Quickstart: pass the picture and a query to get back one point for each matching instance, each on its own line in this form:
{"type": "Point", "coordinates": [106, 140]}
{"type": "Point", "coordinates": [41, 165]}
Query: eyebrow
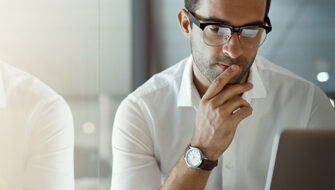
{"type": "Point", "coordinates": [225, 22]}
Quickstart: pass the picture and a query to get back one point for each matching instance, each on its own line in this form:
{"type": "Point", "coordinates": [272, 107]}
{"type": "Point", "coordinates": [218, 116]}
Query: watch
{"type": "Point", "coordinates": [194, 158]}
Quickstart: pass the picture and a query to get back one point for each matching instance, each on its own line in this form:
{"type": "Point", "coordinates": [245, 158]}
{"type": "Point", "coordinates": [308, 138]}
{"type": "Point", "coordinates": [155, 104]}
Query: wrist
{"type": "Point", "coordinates": [209, 154]}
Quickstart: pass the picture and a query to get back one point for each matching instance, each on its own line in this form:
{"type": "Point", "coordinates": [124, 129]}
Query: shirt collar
{"type": "Point", "coordinates": [254, 77]}
{"type": "Point", "coordinates": [2, 92]}
{"type": "Point", "coordinates": [188, 95]}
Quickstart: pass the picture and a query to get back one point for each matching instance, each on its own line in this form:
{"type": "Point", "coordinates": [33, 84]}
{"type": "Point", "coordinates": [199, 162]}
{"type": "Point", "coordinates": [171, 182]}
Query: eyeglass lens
{"type": "Point", "coordinates": [249, 37]}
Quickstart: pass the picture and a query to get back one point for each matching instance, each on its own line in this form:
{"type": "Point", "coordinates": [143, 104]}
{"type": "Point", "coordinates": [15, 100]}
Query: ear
{"type": "Point", "coordinates": [184, 23]}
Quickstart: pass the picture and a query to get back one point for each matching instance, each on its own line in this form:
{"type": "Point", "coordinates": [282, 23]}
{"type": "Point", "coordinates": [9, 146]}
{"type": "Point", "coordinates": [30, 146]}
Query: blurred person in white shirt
{"type": "Point", "coordinates": [36, 134]}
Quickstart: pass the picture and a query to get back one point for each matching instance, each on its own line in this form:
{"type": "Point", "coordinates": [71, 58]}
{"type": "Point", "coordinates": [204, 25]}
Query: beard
{"type": "Point", "coordinates": [206, 66]}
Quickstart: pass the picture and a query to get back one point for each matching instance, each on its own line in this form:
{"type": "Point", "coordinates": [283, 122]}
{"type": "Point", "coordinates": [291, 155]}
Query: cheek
{"type": "Point", "coordinates": [208, 51]}
{"type": "Point", "coordinates": [203, 49]}
{"type": "Point", "coordinates": [215, 51]}
{"type": "Point", "coordinates": [249, 53]}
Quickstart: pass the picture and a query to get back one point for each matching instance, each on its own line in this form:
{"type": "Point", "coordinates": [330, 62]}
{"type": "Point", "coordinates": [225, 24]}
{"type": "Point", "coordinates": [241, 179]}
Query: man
{"type": "Point", "coordinates": [36, 134]}
{"type": "Point", "coordinates": [209, 121]}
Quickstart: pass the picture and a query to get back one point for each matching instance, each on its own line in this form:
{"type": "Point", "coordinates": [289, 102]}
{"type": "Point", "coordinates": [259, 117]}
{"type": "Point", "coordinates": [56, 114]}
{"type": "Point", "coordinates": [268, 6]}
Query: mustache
{"type": "Point", "coordinates": [228, 61]}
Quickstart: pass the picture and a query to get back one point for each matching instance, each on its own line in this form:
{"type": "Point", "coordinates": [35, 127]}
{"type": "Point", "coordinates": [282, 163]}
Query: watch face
{"type": "Point", "coordinates": [193, 157]}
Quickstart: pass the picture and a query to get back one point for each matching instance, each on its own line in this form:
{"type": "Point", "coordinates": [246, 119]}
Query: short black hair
{"type": "Point", "coordinates": [192, 6]}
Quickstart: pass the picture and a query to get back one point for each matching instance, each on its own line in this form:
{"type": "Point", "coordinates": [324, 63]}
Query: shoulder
{"type": "Point", "coordinates": [163, 82]}
{"type": "Point", "coordinates": [161, 89]}
{"type": "Point", "coordinates": [286, 88]}
{"type": "Point", "coordinates": [31, 95]}
{"type": "Point", "coordinates": [266, 67]}
{"type": "Point", "coordinates": [277, 76]}
{"type": "Point", "coordinates": [18, 82]}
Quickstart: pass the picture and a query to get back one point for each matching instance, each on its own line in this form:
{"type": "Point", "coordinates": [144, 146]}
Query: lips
{"type": "Point", "coordinates": [223, 67]}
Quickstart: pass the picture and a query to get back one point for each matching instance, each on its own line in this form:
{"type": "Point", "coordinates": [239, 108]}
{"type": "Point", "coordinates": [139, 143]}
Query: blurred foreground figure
{"type": "Point", "coordinates": [36, 134]}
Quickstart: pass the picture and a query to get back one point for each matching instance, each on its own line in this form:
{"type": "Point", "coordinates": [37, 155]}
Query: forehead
{"type": "Point", "coordinates": [236, 12]}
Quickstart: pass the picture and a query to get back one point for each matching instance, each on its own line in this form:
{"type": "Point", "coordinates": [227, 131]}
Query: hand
{"type": "Point", "coordinates": [220, 111]}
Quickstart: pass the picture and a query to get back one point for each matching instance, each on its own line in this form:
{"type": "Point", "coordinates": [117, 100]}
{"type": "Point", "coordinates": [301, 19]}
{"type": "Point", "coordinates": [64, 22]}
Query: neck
{"type": "Point", "coordinates": [202, 83]}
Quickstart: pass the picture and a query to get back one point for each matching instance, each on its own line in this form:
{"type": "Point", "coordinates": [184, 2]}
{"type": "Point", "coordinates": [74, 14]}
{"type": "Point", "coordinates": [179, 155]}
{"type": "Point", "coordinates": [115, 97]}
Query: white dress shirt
{"type": "Point", "coordinates": [36, 134]}
{"type": "Point", "coordinates": [155, 123]}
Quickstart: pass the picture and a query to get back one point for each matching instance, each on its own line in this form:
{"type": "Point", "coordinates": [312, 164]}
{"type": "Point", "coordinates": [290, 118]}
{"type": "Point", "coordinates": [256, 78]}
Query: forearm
{"type": "Point", "coordinates": [182, 177]}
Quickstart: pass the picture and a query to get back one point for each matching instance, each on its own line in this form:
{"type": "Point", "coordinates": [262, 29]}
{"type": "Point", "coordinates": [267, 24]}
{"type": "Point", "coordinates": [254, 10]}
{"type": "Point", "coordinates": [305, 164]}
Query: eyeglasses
{"type": "Point", "coordinates": [218, 34]}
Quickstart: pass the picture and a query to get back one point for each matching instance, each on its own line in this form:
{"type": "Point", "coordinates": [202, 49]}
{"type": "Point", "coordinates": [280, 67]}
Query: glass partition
{"type": "Point", "coordinates": [58, 42]}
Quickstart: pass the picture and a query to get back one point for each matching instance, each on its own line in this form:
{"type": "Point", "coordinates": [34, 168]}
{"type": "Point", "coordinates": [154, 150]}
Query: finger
{"type": "Point", "coordinates": [229, 92]}
{"type": "Point", "coordinates": [221, 81]}
{"type": "Point", "coordinates": [243, 113]}
{"type": "Point", "coordinates": [233, 104]}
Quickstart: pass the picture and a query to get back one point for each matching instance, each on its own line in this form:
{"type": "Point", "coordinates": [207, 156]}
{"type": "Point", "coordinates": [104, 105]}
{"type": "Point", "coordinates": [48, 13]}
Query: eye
{"type": "Point", "coordinates": [214, 28]}
{"type": "Point", "coordinates": [249, 33]}
{"type": "Point", "coordinates": [219, 30]}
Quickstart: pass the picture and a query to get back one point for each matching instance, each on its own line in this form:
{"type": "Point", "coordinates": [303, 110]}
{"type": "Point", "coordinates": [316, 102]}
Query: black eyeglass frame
{"type": "Point", "coordinates": [238, 30]}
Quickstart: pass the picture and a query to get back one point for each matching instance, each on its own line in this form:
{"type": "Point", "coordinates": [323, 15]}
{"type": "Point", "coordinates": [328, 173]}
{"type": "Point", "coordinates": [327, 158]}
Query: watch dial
{"type": "Point", "coordinates": [194, 157]}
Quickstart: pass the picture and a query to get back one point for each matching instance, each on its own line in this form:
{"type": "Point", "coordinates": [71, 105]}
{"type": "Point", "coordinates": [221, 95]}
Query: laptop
{"type": "Point", "coordinates": [302, 160]}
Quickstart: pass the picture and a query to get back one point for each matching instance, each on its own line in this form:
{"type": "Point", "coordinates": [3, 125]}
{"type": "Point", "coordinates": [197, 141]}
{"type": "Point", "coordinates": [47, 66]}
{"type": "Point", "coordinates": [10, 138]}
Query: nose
{"type": "Point", "coordinates": [233, 47]}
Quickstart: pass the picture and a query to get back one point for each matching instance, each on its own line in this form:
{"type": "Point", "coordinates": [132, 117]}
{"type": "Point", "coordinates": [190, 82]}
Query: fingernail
{"type": "Point", "coordinates": [234, 67]}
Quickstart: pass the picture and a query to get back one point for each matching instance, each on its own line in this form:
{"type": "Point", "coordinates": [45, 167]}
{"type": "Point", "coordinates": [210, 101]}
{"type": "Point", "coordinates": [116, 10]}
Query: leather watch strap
{"type": "Point", "coordinates": [208, 164]}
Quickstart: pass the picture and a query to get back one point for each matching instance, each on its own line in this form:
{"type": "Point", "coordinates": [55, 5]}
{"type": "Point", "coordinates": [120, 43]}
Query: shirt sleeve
{"type": "Point", "coordinates": [50, 156]}
{"type": "Point", "coordinates": [134, 164]}
{"type": "Point", "coordinates": [322, 115]}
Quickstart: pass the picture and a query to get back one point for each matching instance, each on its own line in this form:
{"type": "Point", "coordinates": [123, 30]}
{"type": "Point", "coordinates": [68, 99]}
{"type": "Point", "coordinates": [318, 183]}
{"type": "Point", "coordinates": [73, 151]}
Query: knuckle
{"type": "Point", "coordinates": [241, 88]}
{"type": "Point", "coordinates": [229, 87]}
{"type": "Point", "coordinates": [202, 105]}
{"type": "Point", "coordinates": [211, 106]}
{"type": "Point", "coordinates": [237, 89]}
{"type": "Point", "coordinates": [218, 81]}
{"type": "Point", "coordinates": [245, 102]}
{"type": "Point", "coordinates": [247, 111]}
{"type": "Point", "coordinates": [220, 115]}
{"type": "Point", "coordinates": [250, 110]}
{"type": "Point", "coordinates": [240, 100]}
{"type": "Point", "coordinates": [244, 88]}
{"type": "Point", "coordinates": [202, 102]}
